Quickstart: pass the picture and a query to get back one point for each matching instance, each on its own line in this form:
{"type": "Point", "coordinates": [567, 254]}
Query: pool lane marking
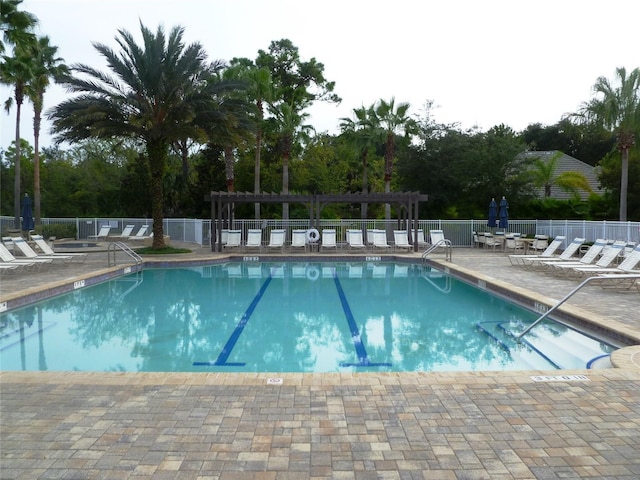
{"type": "Point", "coordinates": [355, 333]}
{"type": "Point", "coordinates": [221, 361]}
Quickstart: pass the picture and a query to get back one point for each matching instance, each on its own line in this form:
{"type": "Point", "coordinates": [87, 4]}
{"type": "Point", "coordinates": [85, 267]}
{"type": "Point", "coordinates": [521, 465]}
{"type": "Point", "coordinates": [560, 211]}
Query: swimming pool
{"type": "Point", "coordinates": [286, 317]}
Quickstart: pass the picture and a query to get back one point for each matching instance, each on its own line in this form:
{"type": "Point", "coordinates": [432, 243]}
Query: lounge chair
{"type": "Point", "coordinates": [627, 266]}
{"type": "Point", "coordinates": [422, 243]}
{"type": "Point", "coordinates": [437, 238]}
{"type": "Point", "coordinates": [102, 233]}
{"type": "Point", "coordinates": [524, 260]}
{"type": "Point", "coordinates": [31, 254]}
{"type": "Point", "coordinates": [354, 240]}
{"type": "Point", "coordinates": [329, 239]}
{"type": "Point", "coordinates": [299, 239]}
{"type": "Point", "coordinates": [234, 239]}
{"type": "Point", "coordinates": [380, 240]}
{"type": "Point", "coordinates": [276, 239]}
{"type": "Point", "coordinates": [401, 240]}
{"type": "Point", "coordinates": [141, 234]}
{"type": "Point", "coordinates": [47, 250]}
{"type": "Point", "coordinates": [566, 256]}
{"type": "Point", "coordinates": [557, 266]}
{"type": "Point", "coordinates": [254, 239]}
{"type": "Point", "coordinates": [126, 232]}
{"type": "Point", "coordinates": [7, 257]}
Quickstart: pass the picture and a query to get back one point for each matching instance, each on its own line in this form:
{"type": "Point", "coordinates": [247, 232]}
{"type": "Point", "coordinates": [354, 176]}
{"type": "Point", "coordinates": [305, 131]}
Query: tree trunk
{"type": "Point", "coordinates": [16, 180]}
{"type": "Point", "coordinates": [157, 151]}
{"type": "Point", "coordinates": [37, 117]}
{"type": "Point", "coordinates": [229, 164]}
{"type": "Point", "coordinates": [365, 185]}
{"type": "Point", "coordinates": [388, 170]}
{"type": "Point", "coordinates": [624, 183]}
{"type": "Point", "coordinates": [286, 153]}
{"type": "Point", "coordinates": [256, 173]}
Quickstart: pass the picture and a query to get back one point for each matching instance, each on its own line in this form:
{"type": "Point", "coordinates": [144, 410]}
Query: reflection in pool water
{"type": "Point", "coordinates": [286, 317]}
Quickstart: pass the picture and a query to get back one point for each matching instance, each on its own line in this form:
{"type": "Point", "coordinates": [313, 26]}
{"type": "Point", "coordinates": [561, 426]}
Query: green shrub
{"type": "Point", "coordinates": [66, 230]}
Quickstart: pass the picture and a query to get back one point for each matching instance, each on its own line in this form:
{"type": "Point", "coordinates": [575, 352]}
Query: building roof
{"type": "Point", "coordinates": [565, 163]}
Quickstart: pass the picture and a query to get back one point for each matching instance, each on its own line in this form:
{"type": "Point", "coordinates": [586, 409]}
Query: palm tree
{"type": "Point", "coordinates": [45, 66]}
{"type": "Point", "coordinates": [362, 132]}
{"type": "Point", "coordinates": [16, 25]}
{"type": "Point", "coordinates": [161, 92]}
{"type": "Point", "coordinates": [543, 174]}
{"type": "Point", "coordinates": [617, 109]}
{"type": "Point", "coordinates": [17, 70]}
{"type": "Point", "coordinates": [290, 126]}
{"type": "Point", "coordinates": [393, 120]}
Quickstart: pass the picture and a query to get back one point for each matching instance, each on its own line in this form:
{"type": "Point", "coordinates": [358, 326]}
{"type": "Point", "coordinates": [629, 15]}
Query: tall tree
{"type": "Point", "coordinates": [16, 25]}
{"type": "Point", "coordinates": [616, 107]}
{"type": "Point", "coordinates": [362, 133]}
{"type": "Point", "coordinates": [158, 92]}
{"type": "Point", "coordinates": [45, 66]}
{"type": "Point", "coordinates": [544, 175]}
{"type": "Point", "coordinates": [393, 120]}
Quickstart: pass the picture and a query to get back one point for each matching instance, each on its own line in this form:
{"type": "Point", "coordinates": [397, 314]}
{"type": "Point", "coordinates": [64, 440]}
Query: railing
{"type": "Point", "coordinates": [113, 248]}
{"type": "Point", "coordinates": [444, 243]}
{"type": "Point", "coordinates": [614, 276]}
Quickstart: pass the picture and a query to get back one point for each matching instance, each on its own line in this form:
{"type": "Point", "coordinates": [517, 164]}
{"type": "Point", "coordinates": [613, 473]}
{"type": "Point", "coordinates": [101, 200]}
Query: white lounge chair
{"type": "Point", "coordinates": [401, 240]}
{"type": "Point", "coordinates": [355, 241]}
{"type": "Point", "coordinates": [299, 239]}
{"type": "Point", "coordinates": [276, 239]}
{"type": "Point", "coordinates": [566, 256]}
{"type": "Point", "coordinates": [380, 240]}
{"type": "Point", "coordinates": [421, 241]}
{"type": "Point", "coordinates": [7, 257]}
{"type": "Point", "coordinates": [234, 239]}
{"type": "Point", "coordinates": [126, 232]}
{"type": "Point", "coordinates": [44, 247]}
{"type": "Point", "coordinates": [329, 239]}
{"type": "Point", "coordinates": [557, 266]}
{"type": "Point", "coordinates": [141, 234]}
{"type": "Point", "coordinates": [31, 254]}
{"type": "Point", "coordinates": [524, 260]}
{"type": "Point", "coordinates": [627, 266]}
{"type": "Point", "coordinates": [102, 233]}
{"type": "Point", "coordinates": [254, 239]}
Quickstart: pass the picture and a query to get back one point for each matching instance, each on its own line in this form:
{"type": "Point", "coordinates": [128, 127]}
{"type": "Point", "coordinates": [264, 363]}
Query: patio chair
{"type": "Point", "coordinates": [102, 233]}
{"type": "Point", "coordinates": [524, 260]}
{"type": "Point", "coordinates": [354, 240]}
{"type": "Point", "coordinates": [254, 239]}
{"type": "Point", "coordinates": [541, 242]}
{"type": "Point", "coordinates": [141, 234]}
{"type": "Point", "coordinates": [276, 239]}
{"type": "Point", "coordinates": [491, 242]}
{"type": "Point", "coordinates": [380, 240]}
{"type": "Point", "coordinates": [329, 239]}
{"type": "Point", "coordinates": [299, 239]}
{"type": "Point", "coordinates": [47, 250]}
{"type": "Point", "coordinates": [557, 266]}
{"type": "Point", "coordinates": [7, 258]}
{"type": "Point", "coordinates": [566, 256]}
{"type": "Point", "coordinates": [30, 253]}
{"type": "Point", "coordinates": [511, 243]}
{"type": "Point", "coordinates": [234, 239]}
{"type": "Point", "coordinates": [126, 232]}
{"type": "Point", "coordinates": [401, 240]}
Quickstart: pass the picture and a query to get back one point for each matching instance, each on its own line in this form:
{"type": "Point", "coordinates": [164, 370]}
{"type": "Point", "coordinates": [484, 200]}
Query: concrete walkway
{"type": "Point", "coordinates": [492, 425]}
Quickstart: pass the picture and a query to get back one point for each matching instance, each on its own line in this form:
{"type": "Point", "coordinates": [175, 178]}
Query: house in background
{"type": "Point", "coordinates": [565, 163]}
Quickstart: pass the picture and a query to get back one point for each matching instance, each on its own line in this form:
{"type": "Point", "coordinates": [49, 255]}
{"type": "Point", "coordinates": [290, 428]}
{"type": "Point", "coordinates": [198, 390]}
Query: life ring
{"type": "Point", "coordinates": [313, 235]}
{"type": "Point", "coordinates": [313, 273]}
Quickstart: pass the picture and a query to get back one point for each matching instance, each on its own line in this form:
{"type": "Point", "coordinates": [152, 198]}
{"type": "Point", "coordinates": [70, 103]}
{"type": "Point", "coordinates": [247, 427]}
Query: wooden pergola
{"type": "Point", "coordinates": [315, 202]}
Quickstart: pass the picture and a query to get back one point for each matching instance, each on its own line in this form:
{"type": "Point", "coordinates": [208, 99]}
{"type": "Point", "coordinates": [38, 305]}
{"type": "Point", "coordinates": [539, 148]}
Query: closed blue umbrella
{"type": "Point", "coordinates": [503, 213]}
{"type": "Point", "coordinates": [493, 213]}
{"type": "Point", "coordinates": [27, 213]}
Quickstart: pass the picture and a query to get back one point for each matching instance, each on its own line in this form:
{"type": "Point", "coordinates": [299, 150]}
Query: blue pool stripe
{"type": "Point", "coordinates": [355, 333]}
{"type": "Point", "coordinates": [228, 347]}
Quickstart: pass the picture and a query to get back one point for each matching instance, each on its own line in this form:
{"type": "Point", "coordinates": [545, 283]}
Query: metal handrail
{"type": "Point", "coordinates": [448, 246]}
{"type": "Point", "coordinates": [126, 249]}
{"type": "Point", "coordinates": [613, 276]}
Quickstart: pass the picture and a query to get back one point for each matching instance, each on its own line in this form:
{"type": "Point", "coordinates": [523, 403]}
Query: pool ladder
{"type": "Point", "coordinates": [114, 246]}
{"type": "Point", "coordinates": [446, 243]}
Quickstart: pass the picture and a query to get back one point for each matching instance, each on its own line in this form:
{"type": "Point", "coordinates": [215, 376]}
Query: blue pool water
{"type": "Point", "coordinates": [285, 317]}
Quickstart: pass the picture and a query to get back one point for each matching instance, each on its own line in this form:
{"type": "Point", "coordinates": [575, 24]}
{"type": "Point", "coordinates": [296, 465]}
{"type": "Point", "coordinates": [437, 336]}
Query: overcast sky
{"type": "Point", "coordinates": [482, 62]}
